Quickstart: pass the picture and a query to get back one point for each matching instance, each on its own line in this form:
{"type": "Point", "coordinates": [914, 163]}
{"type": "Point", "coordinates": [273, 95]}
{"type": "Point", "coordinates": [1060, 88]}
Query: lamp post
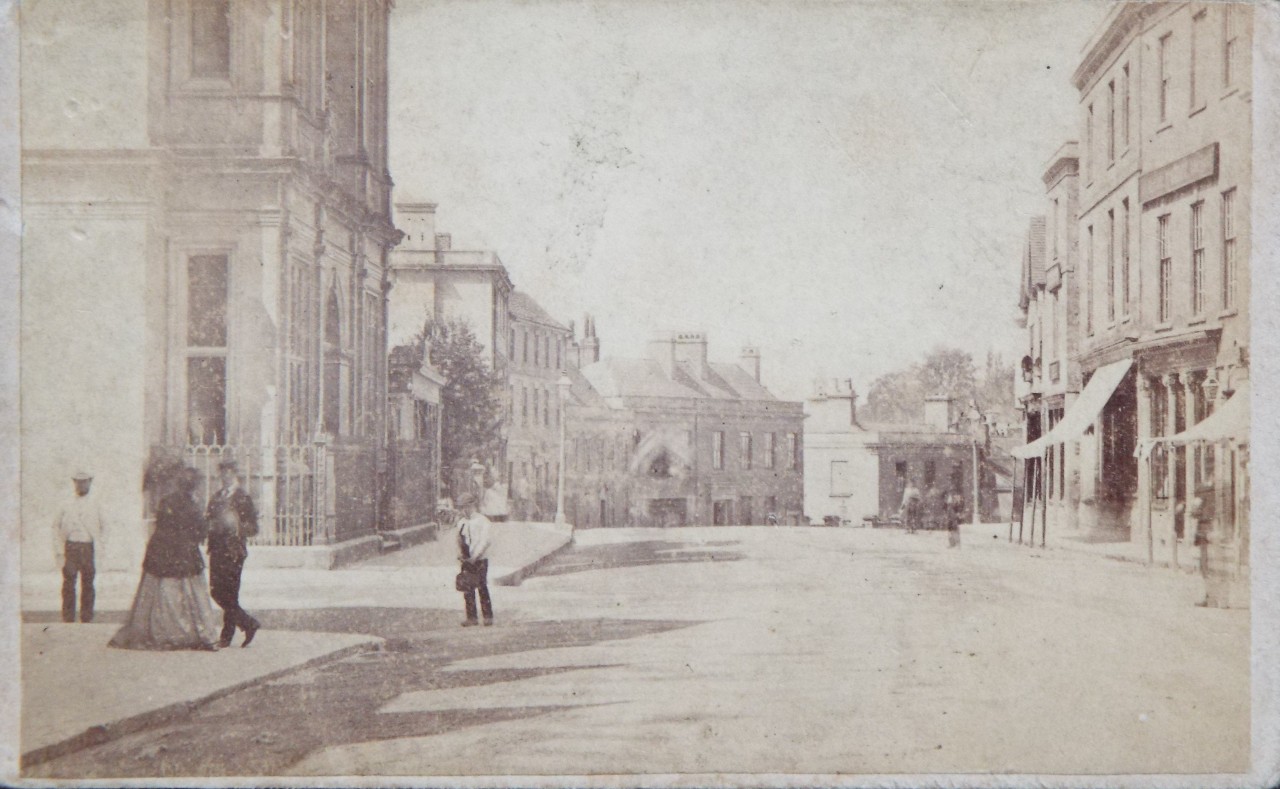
{"type": "Point", "coordinates": [564, 384]}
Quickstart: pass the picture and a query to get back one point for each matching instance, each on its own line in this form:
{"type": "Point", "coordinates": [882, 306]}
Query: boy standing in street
{"type": "Point", "coordinates": [77, 531]}
{"type": "Point", "coordinates": [474, 539]}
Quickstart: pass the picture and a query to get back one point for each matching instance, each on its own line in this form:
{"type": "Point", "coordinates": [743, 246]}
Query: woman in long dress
{"type": "Point", "coordinates": [171, 609]}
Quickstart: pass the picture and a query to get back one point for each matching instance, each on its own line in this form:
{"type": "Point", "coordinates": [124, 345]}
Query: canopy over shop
{"type": "Point", "coordinates": [1078, 417]}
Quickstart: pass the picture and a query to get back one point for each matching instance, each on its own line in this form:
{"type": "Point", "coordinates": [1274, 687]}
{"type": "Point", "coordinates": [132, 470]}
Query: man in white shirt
{"type": "Point", "coordinates": [474, 538]}
{"type": "Point", "coordinates": [77, 531]}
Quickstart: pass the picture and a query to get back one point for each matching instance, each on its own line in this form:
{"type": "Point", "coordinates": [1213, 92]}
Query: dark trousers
{"type": "Point", "coordinates": [224, 588]}
{"type": "Point", "coordinates": [78, 563]}
{"type": "Point", "coordinates": [481, 569]}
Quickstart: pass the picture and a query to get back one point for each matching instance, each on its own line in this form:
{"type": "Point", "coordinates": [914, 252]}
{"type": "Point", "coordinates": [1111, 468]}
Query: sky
{"type": "Point", "coordinates": [844, 185]}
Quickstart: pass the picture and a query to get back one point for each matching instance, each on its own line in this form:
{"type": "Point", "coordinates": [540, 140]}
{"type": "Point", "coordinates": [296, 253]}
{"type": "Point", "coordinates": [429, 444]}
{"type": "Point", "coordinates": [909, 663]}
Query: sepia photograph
{"type": "Point", "coordinates": [639, 393]}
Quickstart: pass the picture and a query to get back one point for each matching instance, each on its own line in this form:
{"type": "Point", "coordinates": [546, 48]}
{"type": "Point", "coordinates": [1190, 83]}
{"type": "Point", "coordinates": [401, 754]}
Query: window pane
{"type": "Point", "coordinates": [207, 400]}
{"type": "Point", "coordinates": [210, 38]}
{"type": "Point", "coordinates": [207, 301]}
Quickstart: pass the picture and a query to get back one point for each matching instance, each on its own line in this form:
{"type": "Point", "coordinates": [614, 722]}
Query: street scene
{"type": "Point", "coordinates": [703, 650]}
{"type": "Point", "coordinates": [436, 389]}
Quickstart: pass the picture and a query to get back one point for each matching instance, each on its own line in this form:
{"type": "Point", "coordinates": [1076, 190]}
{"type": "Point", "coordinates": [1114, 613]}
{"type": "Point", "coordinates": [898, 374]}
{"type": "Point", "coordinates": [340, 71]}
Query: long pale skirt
{"type": "Point", "coordinates": [170, 613]}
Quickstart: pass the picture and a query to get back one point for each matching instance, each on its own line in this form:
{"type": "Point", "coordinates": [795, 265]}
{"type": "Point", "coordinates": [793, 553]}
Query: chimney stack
{"type": "Point", "coordinates": [443, 242]}
{"type": "Point", "coordinates": [937, 412]}
{"type": "Point", "coordinates": [418, 223]}
{"type": "Point", "coordinates": [691, 347]}
{"type": "Point", "coordinates": [662, 349]}
{"type": "Point", "coordinates": [590, 342]}
{"type": "Point", "coordinates": [750, 360]}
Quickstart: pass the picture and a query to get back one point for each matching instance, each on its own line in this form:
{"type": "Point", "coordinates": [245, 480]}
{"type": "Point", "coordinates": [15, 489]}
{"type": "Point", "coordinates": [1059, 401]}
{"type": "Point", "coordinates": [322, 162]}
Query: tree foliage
{"type": "Point", "coordinates": [899, 396]}
{"type": "Point", "coordinates": [471, 408]}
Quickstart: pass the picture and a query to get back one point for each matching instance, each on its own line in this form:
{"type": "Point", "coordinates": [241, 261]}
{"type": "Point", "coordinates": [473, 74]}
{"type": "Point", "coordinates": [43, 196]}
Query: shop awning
{"type": "Point", "coordinates": [1229, 423]}
{"type": "Point", "coordinates": [1083, 412]}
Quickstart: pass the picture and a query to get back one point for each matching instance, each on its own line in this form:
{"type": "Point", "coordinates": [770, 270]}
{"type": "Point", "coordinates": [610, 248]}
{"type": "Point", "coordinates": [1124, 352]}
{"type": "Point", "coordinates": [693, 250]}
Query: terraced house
{"type": "Point", "coordinates": [1163, 227]}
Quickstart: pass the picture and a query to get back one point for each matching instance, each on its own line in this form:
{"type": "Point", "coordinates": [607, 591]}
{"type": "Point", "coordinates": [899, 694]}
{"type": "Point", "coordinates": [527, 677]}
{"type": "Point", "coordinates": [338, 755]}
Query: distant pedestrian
{"type": "Point", "coordinates": [1203, 510]}
{"type": "Point", "coordinates": [171, 609]}
{"type": "Point", "coordinates": [232, 521]}
{"type": "Point", "coordinates": [77, 534]}
{"type": "Point", "coordinates": [954, 514]}
{"type": "Point", "coordinates": [474, 539]}
{"type": "Point", "coordinates": [935, 508]}
{"type": "Point", "coordinates": [493, 502]}
{"type": "Point", "coordinates": [911, 507]}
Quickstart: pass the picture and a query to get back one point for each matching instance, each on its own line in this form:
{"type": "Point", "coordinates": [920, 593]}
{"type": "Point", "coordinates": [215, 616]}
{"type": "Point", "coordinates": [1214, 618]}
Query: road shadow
{"type": "Point", "coordinates": [584, 558]}
{"type": "Point", "coordinates": [266, 729]}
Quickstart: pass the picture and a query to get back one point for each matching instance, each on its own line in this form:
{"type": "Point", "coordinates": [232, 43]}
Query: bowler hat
{"type": "Point", "coordinates": [466, 500]}
{"type": "Point", "coordinates": [82, 476]}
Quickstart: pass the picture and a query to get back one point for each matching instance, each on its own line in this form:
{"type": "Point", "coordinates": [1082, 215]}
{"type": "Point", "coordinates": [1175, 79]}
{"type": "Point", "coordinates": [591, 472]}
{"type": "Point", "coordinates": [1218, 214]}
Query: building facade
{"type": "Point", "coordinates": [675, 439]}
{"type": "Point", "coordinates": [206, 190]}
{"type": "Point", "coordinates": [1050, 311]}
{"type": "Point", "coordinates": [856, 471]}
{"type": "Point", "coordinates": [1163, 223]}
{"type": "Point", "coordinates": [1178, 304]}
{"type": "Point", "coordinates": [430, 280]}
{"type": "Point", "coordinates": [538, 349]}
{"type": "Point", "coordinates": [414, 424]}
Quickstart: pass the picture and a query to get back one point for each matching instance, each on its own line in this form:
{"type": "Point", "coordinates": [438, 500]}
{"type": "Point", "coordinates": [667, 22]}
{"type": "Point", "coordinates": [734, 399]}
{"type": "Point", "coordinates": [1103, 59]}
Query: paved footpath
{"type": "Point", "coordinates": [77, 690]}
{"type": "Point", "coordinates": [784, 650]}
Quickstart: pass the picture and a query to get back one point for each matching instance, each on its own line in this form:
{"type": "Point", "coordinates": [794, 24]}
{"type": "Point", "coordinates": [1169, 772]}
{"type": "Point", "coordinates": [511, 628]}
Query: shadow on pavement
{"type": "Point", "coordinates": [265, 729]}
{"type": "Point", "coordinates": [580, 559]}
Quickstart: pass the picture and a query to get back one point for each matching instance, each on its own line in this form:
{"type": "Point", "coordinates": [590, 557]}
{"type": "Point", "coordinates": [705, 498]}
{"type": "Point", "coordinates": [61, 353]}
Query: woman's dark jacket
{"type": "Point", "coordinates": [174, 549]}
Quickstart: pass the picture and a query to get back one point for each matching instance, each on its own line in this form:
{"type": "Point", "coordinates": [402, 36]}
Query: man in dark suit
{"type": "Point", "coordinates": [232, 521]}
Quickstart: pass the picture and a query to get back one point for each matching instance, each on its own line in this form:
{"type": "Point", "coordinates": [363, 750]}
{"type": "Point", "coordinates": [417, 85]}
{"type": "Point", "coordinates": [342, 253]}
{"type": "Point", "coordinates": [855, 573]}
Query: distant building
{"type": "Point", "coordinates": [1049, 300]}
{"type": "Point", "coordinates": [431, 280]}
{"type": "Point", "coordinates": [537, 349]}
{"type": "Point", "coordinates": [675, 439]}
{"type": "Point", "coordinates": [856, 470]}
{"type": "Point", "coordinates": [413, 430]}
{"type": "Point", "coordinates": [205, 189]}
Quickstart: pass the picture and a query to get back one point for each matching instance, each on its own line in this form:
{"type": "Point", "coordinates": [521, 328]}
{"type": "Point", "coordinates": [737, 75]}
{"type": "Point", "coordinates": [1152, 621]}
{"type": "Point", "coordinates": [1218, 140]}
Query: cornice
{"type": "Point", "coordinates": [1123, 24]}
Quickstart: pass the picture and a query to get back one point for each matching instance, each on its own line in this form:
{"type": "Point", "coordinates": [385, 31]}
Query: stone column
{"type": "Point", "coordinates": [1191, 382]}
{"type": "Point", "coordinates": [1171, 384]}
{"type": "Point", "coordinates": [1146, 390]}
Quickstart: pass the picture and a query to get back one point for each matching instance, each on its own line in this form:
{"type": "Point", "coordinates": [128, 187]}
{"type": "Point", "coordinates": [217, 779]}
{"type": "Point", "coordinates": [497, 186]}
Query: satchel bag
{"type": "Point", "coordinates": [466, 581]}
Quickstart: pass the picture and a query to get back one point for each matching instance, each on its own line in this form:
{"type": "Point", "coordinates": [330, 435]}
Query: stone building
{"type": "Point", "coordinates": [856, 470]}
{"type": "Point", "coordinates": [1049, 301]}
{"type": "Point", "coordinates": [675, 439]}
{"type": "Point", "coordinates": [538, 349]}
{"type": "Point", "coordinates": [207, 223]}
{"type": "Point", "coordinates": [414, 426]}
{"type": "Point", "coordinates": [431, 280]}
{"type": "Point", "coordinates": [1165, 119]}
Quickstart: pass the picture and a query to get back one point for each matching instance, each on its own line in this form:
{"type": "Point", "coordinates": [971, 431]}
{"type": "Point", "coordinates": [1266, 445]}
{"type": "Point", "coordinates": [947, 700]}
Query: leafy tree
{"type": "Point", "coordinates": [949, 371]}
{"type": "Point", "coordinates": [899, 396]}
{"type": "Point", "coordinates": [471, 409]}
{"type": "Point", "coordinates": [995, 390]}
{"type": "Point", "coordinates": [895, 397]}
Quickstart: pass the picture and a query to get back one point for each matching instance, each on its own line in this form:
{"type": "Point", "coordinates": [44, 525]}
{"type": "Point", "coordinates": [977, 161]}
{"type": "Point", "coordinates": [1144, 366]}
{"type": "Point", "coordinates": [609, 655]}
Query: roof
{"type": "Point", "coordinates": [616, 377]}
{"type": "Point", "coordinates": [524, 308]}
